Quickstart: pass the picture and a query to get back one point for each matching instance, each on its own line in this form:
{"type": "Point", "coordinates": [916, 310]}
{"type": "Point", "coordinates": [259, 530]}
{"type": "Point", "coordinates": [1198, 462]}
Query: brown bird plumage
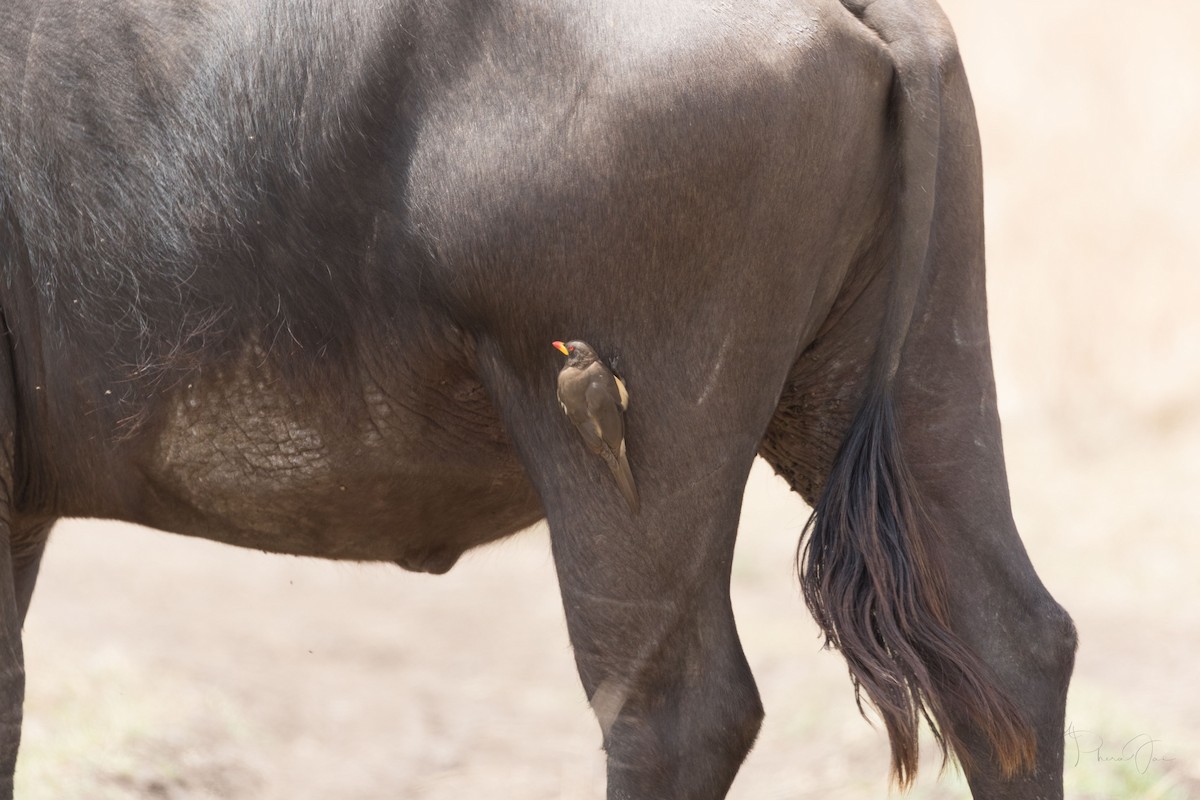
{"type": "Point", "coordinates": [595, 400]}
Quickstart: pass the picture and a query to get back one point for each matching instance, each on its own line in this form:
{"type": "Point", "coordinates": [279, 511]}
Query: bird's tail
{"type": "Point", "coordinates": [620, 470]}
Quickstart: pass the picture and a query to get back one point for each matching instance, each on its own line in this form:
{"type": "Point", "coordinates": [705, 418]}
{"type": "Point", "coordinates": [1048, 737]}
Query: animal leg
{"type": "Point", "coordinates": [28, 546]}
{"type": "Point", "coordinates": [949, 430]}
{"type": "Point", "coordinates": [913, 553]}
{"type": "Point", "coordinates": [647, 595]}
{"type": "Point", "coordinates": [12, 666]}
{"type": "Point", "coordinates": [16, 588]}
{"type": "Point", "coordinates": [650, 620]}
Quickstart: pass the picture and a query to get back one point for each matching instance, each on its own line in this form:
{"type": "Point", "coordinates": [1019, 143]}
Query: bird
{"type": "Point", "coordinates": [595, 400]}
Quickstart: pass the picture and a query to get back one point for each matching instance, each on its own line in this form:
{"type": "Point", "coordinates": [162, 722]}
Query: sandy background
{"type": "Point", "coordinates": [166, 668]}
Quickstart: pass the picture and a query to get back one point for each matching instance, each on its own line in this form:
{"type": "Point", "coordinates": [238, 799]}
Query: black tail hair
{"type": "Point", "coordinates": [873, 586]}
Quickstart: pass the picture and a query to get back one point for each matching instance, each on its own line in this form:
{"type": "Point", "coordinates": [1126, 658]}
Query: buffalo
{"type": "Point", "coordinates": [284, 274]}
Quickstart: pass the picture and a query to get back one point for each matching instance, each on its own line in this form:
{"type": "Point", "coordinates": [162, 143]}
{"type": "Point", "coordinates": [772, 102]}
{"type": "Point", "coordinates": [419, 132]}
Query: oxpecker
{"type": "Point", "coordinates": [595, 400]}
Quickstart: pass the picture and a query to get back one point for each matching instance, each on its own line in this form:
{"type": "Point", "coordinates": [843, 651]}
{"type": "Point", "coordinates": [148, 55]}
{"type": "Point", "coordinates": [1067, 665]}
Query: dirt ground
{"type": "Point", "coordinates": [161, 667]}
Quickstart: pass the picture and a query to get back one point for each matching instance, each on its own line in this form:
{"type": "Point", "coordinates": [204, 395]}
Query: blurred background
{"type": "Point", "coordinates": [166, 668]}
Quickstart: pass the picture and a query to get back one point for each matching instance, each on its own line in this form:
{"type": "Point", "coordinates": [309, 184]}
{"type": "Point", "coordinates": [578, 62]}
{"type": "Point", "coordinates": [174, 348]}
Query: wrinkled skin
{"type": "Point", "coordinates": [283, 275]}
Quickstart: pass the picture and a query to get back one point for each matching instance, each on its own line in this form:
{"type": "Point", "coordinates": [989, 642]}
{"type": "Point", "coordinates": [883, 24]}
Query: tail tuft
{"type": "Point", "coordinates": [879, 598]}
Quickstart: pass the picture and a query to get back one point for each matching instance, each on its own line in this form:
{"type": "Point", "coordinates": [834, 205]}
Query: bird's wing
{"type": "Point", "coordinates": [623, 392]}
{"type": "Point", "coordinates": [572, 387]}
{"type": "Point", "coordinates": [593, 437]}
{"type": "Point", "coordinates": [600, 377]}
{"type": "Point", "coordinates": [606, 414]}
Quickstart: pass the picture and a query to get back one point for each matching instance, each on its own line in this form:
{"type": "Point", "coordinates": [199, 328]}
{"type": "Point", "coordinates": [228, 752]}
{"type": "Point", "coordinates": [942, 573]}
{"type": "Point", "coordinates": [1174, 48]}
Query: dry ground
{"type": "Point", "coordinates": [167, 668]}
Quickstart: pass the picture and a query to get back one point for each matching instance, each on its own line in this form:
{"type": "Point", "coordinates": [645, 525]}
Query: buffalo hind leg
{"type": "Point", "coordinates": [949, 432]}
{"type": "Point", "coordinates": [961, 570]}
{"type": "Point", "coordinates": [646, 595]}
{"type": "Point", "coordinates": [995, 602]}
{"type": "Point", "coordinates": [913, 535]}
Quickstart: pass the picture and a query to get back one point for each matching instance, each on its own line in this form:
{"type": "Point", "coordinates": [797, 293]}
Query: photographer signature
{"type": "Point", "coordinates": [1086, 745]}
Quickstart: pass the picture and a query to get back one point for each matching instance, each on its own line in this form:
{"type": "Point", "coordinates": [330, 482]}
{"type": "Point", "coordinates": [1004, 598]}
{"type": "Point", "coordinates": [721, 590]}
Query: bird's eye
{"type": "Point", "coordinates": [570, 349]}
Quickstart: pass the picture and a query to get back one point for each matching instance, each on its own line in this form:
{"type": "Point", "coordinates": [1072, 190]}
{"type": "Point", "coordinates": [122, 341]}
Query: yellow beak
{"type": "Point", "coordinates": [562, 348]}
